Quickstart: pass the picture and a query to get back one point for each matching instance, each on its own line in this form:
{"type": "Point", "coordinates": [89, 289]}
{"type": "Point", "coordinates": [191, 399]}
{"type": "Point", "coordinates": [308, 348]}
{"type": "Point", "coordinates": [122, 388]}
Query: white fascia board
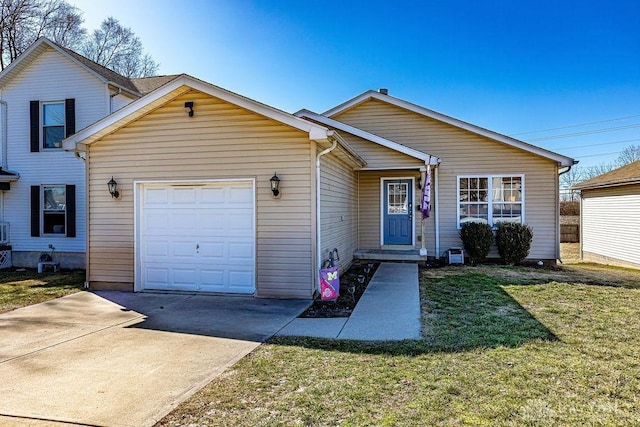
{"type": "Point", "coordinates": [141, 106]}
{"type": "Point", "coordinates": [355, 157]}
{"type": "Point", "coordinates": [369, 137]}
{"type": "Point", "coordinates": [371, 94]}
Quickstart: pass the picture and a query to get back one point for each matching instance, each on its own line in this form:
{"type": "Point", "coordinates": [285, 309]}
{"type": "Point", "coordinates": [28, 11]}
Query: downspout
{"type": "Point", "coordinates": [437, 209]}
{"type": "Point", "coordinates": [558, 226]}
{"type": "Point", "coordinates": [111, 96]}
{"type": "Point", "coordinates": [5, 135]}
{"type": "Point", "coordinates": [3, 147]}
{"type": "Point", "coordinates": [318, 230]}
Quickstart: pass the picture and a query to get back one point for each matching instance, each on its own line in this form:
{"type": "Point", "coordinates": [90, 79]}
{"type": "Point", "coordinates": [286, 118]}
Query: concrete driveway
{"type": "Point", "coordinates": [123, 359]}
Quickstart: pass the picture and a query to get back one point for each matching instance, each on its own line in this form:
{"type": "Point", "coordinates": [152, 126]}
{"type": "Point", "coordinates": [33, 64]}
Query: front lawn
{"type": "Point", "coordinates": [502, 346]}
{"type": "Point", "coordinates": [19, 289]}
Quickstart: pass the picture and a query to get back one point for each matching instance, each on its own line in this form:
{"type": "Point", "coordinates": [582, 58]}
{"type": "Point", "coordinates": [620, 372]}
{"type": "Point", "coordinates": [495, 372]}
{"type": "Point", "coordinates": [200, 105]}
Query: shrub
{"type": "Point", "coordinates": [476, 238]}
{"type": "Point", "coordinates": [513, 241]}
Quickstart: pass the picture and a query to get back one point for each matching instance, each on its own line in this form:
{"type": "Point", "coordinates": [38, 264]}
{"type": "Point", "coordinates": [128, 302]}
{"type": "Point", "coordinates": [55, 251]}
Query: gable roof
{"type": "Point", "coordinates": [145, 85]}
{"type": "Point", "coordinates": [368, 136]}
{"type": "Point", "coordinates": [625, 175]}
{"type": "Point", "coordinates": [135, 87]}
{"type": "Point", "coordinates": [174, 88]}
{"type": "Point", "coordinates": [374, 95]}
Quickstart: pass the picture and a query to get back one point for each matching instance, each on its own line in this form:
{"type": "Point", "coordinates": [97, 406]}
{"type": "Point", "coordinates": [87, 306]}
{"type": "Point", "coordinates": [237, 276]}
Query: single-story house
{"type": "Point", "coordinates": [609, 211]}
{"type": "Point", "coordinates": [196, 208]}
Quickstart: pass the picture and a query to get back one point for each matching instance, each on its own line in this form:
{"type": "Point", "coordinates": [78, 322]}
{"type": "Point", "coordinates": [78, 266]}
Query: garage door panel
{"type": "Point", "coordinates": [187, 249]}
{"type": "Point", "coordinates": [156, 221]}
{"type": "Point", "coordinates": [184, 276]}
{"type": "Point", "coordinates": [240, 251]}
{"type": "Point", "coordinates": [157, 275]}
{"type": "Point", "coordinates": [210, 195]}
{"type": "Point", "coordinates": [240, 195]}
{"type": "Point", "coordinates": [198, 237]}
{"type": "Point", "coordinates": [213, 221]}
{"type": "Point", "coordinates": [241, 280]}
{"type": "Point", "coordinates": [215, 250]}
{"type": "Point", "coordinates": [212, 277]}
{"type": "Point", "coordinates": [182, 195]}
{"type": "Point", "coordinates": [156, 248]}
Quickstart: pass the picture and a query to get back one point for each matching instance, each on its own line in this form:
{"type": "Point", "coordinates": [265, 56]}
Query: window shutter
{"type": "Point", "coordinates": [71, 211]}
{"type": "Point", "coordinates": [70, 117]}
{"type": "Point", "coordinates": [34, 113]}
{"type": "Point", "coordinates": [35, 211]}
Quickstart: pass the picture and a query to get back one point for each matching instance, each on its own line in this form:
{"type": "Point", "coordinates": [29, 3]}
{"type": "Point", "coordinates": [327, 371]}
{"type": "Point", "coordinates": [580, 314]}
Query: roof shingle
{"type": "Point", "coordinates": [628, 174]}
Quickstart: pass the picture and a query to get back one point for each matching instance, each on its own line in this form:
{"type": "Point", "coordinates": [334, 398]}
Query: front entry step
{"type": "Point", "coordinates": [389, 255]}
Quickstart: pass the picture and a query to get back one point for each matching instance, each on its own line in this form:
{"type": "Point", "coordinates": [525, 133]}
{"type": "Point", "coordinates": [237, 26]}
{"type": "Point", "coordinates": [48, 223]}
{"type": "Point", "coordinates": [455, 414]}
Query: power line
{"type": "Point", "coordinates": [601, 143]}
{"type": "Point", "coordinates": [589, 132]}
{"type": "Point", "coordinates": [578, 125]}
{"type": "Point", "coordinates": [596, 155]}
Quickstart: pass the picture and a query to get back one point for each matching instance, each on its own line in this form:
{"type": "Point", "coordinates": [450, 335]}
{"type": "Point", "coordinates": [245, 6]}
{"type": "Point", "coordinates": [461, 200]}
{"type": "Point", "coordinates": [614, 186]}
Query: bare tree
{"type": "Point", "coordinates": [629, 155]}
{"type": "Point", "coordinates": [118, 48]}
{"type": "Point", "coordinates": [567, 180]}
{"type": "Point", "coordinates": [23, 21]}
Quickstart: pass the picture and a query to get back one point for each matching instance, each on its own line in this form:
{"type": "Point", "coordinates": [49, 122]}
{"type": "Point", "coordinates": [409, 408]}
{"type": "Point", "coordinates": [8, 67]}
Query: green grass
{"type": "Point", "coordinates": [502, 346]}
{"type": "Point", "coordinates": [19, 289]}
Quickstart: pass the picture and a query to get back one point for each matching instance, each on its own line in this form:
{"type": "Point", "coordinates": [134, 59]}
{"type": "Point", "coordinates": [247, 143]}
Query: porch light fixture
{"type": "Point", "coordinates": [275, 184]}
{"type": "Point", "coordinates": [419, 182]}
{"type": "Point", "coordinates": [188, 106]}
{"type": "Point", "coordinates": [113, 188]}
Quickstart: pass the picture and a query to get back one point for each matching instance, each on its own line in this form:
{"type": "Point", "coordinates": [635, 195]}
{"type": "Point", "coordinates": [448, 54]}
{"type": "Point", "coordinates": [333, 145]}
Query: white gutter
{"type": "Point", "coordinates": [318, 230]}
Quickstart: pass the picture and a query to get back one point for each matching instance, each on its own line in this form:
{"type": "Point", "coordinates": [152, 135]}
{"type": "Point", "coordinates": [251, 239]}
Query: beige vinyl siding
{"type": "Point", "coordinates": [609, 225]}
{"type": "Point", "coordinates": [220, 141]}
{"type": "Point", "coordinates": [462, 153]}
{"type": "Point", "coordinates": [338, 208]}
{"type": "Point", "coordinates": [378, 157]}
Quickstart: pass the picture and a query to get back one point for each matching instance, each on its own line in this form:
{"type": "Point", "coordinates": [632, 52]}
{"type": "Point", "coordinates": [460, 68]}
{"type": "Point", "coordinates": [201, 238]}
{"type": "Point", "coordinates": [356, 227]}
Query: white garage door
{"type": "Point", "coordinates": [197, 237]}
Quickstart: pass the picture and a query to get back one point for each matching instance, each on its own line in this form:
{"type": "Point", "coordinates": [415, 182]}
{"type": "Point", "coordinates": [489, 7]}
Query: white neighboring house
{"type": "Point", "coordinates": [609, 212]}
{"type": "Point", "coordinates": [46, 95]}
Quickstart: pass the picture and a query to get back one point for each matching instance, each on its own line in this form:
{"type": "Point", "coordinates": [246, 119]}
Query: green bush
{"type": "Point", "coordinates": [514, 242]}
{"type": "Point", "coordinates": [476, 238]}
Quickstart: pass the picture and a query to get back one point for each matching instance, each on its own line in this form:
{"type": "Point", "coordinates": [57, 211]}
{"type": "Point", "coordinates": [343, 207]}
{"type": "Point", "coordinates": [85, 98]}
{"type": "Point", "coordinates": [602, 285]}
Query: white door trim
{"type": "Point", "coordinates": [413, 208]}
{"type": "Point", "coordinates": [138, 214]}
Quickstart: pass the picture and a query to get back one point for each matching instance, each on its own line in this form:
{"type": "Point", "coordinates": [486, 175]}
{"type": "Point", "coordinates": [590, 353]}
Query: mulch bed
{"type": "Point", "coordinates": [346, 302]}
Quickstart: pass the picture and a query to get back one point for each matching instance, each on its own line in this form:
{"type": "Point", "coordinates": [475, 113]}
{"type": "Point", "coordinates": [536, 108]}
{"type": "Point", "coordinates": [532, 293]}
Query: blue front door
{"type": "Point", "coordinates": [397, 212]}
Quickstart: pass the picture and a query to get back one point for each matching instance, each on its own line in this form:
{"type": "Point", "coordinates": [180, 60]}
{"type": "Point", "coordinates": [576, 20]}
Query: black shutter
{"type": "Point", "coordinates": [34, 113]}
{"type": "Point", "coordinates": [71, 211]}
{"type": "Point", "coordinates": [70, 117]}
{"type": "Point", "coordinates": [35, 211]}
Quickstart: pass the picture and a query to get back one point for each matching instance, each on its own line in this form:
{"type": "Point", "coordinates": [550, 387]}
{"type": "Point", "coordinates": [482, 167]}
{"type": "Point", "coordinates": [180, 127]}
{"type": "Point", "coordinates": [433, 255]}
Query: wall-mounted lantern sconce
{"type": "Point", "coordinates": [113, 188]}
{"type": "Point", "coordinates": [419, 182]}
{"type": "Point", "coordinates": [188, 106]}
{"type": "Point", "coordinates": [275, 184]}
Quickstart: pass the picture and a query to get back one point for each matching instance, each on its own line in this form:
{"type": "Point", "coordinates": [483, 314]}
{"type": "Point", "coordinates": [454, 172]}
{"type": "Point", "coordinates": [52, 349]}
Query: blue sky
{"type": "Point", "coordinates": [512, 67]}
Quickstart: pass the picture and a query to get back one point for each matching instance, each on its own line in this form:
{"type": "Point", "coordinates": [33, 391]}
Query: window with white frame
{"type": "Point", "coordinates": [54, 209]}
{"type": "Point", "coordinates": [490, 199]}
{"type": "Point", "coordinates": [53, 122]}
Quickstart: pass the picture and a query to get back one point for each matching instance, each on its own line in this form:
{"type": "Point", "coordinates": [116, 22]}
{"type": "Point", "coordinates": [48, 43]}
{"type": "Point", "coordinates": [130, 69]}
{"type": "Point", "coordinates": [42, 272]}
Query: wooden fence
{"type": "Point", "coordinates": [569, 233]}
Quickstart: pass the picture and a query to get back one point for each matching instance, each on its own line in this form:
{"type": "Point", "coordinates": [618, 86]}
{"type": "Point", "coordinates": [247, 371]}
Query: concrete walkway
{"type": "Point", "coordinates": [389, 310]}
{"type": "Point", "coordinates": [124, 359]}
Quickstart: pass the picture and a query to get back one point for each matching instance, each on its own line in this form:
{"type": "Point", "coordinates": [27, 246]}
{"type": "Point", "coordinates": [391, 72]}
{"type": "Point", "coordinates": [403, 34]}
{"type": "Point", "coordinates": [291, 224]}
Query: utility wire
{"type": "Point", "coordinates": [578, 125]}
{"type": "Point", "coordinates": [602, 143]}
{"type": "Point", "coordinates": [589, 132]}
{"type": "Point", "coordinates": [596, 155]}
